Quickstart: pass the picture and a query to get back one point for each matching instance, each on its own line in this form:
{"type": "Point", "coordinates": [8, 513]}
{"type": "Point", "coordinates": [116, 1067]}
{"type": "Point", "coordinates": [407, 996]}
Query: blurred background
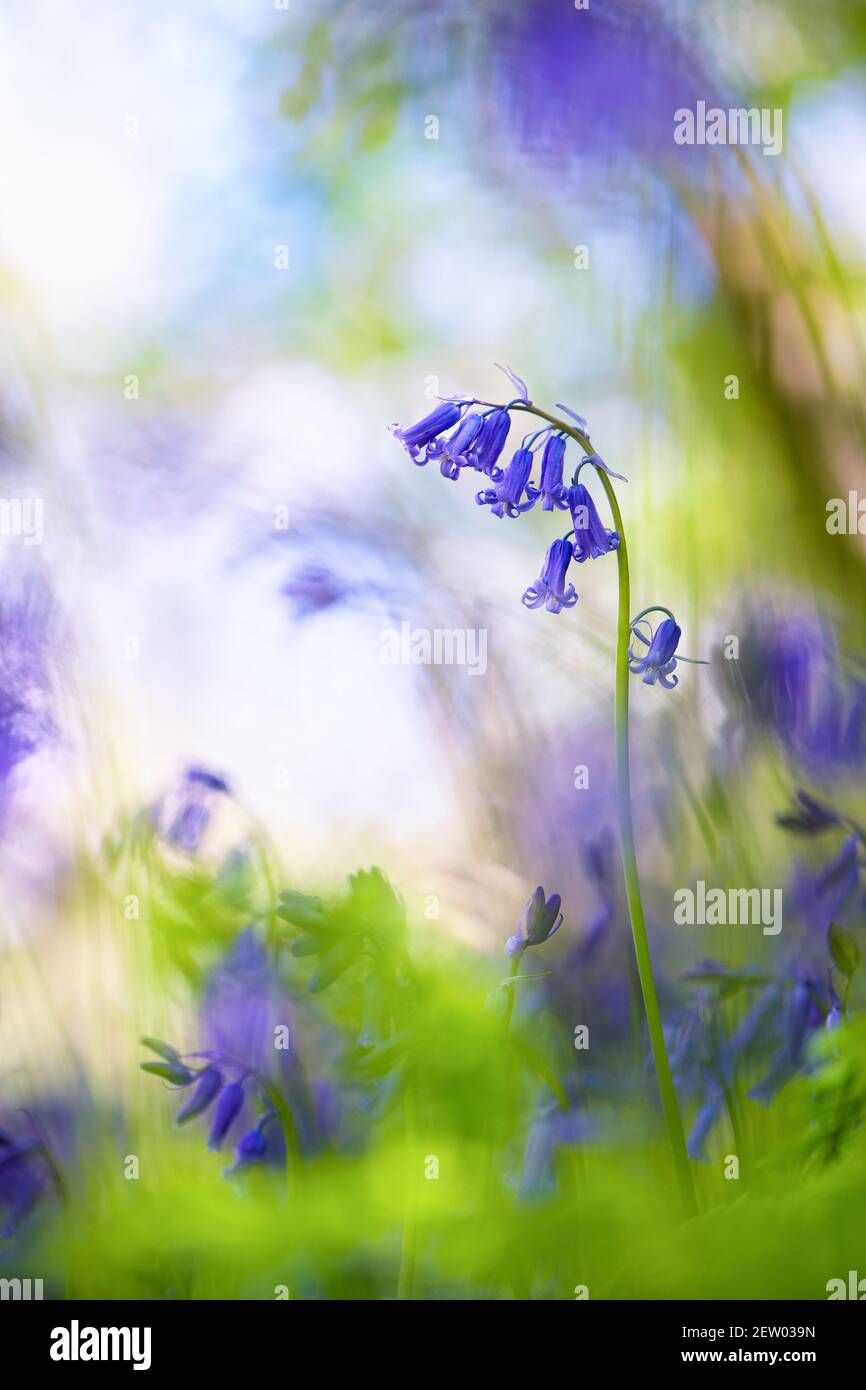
{"type": "Point", "coordinates": [238, 240]}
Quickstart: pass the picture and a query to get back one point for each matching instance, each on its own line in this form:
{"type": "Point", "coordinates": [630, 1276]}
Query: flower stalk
{"type": "Point", "coordinates": [513, 493]}
{"type": "Point", "coordinates": [670, 1107]}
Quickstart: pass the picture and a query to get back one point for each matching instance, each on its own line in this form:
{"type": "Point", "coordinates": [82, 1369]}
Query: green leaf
{"type": "Point", "coordinates": [336, 962]}
{"type": "Point", "coordinates": [843, 949]}
{"type": "Point", "coordinates": [378, 1061]}
{"type": "Point", "coordinates": [307, 945]}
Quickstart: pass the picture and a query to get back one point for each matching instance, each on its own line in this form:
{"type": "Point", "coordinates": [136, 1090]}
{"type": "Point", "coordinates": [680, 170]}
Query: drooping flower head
{"type": "Point", "coordinates": [456, 451]}
{"type": "Point", "coordinates": [550, 587]}
{"type": "Point", "coordinates": [506, 498]}
{"type": "Point", "coordinates": [208, 1085]}
{"type": "Point", "coordinates": [477, 442]}
{"type": "Point", "coordinates": [416, 438]}
{"type": "Point", "coordinates": [539, 920]}
{"type": "Point", "coordinates": [230, 1102]}
{"type": "Point", "coordinates": [592, 538]}
{"type": "Point", "coordinates": [659, 663]}
{"type": "Point", "coordinates": [490, 443]}
{"type": "Point", "coordinates": [551, 489]}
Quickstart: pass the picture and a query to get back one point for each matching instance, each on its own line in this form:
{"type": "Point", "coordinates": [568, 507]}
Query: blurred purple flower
{"type": "Point", "coordinates": [21, 1180]}
{"type": "Point", "coordinates": [252, 1147]}
{"type": "Point", "coordinates": [27, 639]}
{"type": "Point", "coordinates": [789, 681]}
{"type": "Point", "coordinates": [186, 814]}
{"type": "Point", "coordinates": [809, 816]}
{"type": "Point", "coordinates": [596, 83]}
{"type": "Point", "coordinates": [802, 1016]}
{"type": "Point", "coordinates": [207, 1087]}
{"type": "Point", "coordinates": [553, 1129]}
{"type": "Point", "coordinates": [242, 1006]}
{"type": "Point", "coordinates": [313, 589]}
{"type": "Point", "coordinates": [231, 1099]}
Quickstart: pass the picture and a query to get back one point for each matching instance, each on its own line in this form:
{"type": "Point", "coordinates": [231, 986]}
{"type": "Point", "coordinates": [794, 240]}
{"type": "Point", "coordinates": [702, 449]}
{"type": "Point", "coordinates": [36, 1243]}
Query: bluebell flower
{"type": "Point", "coordinates": [490, 443]}
{"type": "Point", "coordinates": [415, 438]}
{"type": "Point", "coordinates": [456, 451]}
{"type": "Point", "coordinates": [709, 1112]}
{"type": "Point", "coordinates": [549, 589]}
{"type": "Point", "coordinates": [599, 854]}
{"type": "Point", "coordinates": [552, 1129]}
{"type": "Point", "coordinates": [28, 637]}
{"type": "Point", "coordinates": [207, 1087]}
{"type": "Point", "coordinates": [659, 662]}
{"type": "Point", "coordinates": [21, 1180]}
{"type": "Point", "coordinates": [230, 1101]}
{"type": "Point", "coordinates": [551, 489]}
{"type": "Point", "coordinates": [506, 497]}
{"type": "Point", "coordinates": [834, 739]}
{"type": "Point", "coordinates": [839, 880]}
{"type": "Point", "coordinates": [802, 1016]}
{"type": "Point", "coordinates": [755, 1028]}
{"type": "Point", "coordinates": [538, 921]}
{"type": "Point", "coordinates": [186, 814]}
{"type": "Point", "coordinates": [834, 1015]}
{"type": "Point", "coordinates": [592, 538]}
{"type": "Point", "coordinates": [313, 588]}
{"type": "Point", "coordinates": [252, 1148]}
{"type": "Point", "coordinates": [789, 680]}
{"type": "Point", "coordinates": [212, 781]}
{"type": "Point", "coordinates": [242, 1004]}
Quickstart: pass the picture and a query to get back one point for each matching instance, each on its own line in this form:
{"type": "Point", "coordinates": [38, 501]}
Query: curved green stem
{"type": "Point", "coordinates": [670, 1107]}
